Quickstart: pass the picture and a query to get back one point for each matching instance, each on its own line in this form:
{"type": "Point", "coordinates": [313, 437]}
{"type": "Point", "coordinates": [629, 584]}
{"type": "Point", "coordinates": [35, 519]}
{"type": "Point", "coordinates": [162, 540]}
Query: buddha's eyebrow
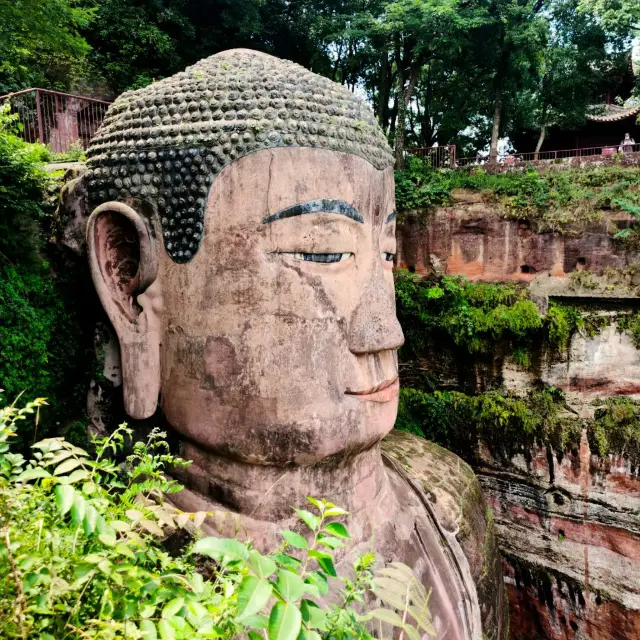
{"type": "Point", "coordinates": [316, 206]}
{"type": "Point", "coordinates": [391, 217]}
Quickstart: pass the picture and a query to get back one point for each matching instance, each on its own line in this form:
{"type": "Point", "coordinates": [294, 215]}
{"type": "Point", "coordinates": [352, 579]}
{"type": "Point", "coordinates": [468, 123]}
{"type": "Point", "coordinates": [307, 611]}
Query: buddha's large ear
{"type": "Point", "coordinates": [123, 261]}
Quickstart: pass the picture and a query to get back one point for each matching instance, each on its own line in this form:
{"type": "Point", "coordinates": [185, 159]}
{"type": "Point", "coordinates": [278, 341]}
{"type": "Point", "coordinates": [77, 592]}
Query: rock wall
{"type": "Point", "coordinates": [570, 535]}
{"type": "Point", "coordinates": [470, 238]}
{"type": "Point", "coordinates": [568, 522]}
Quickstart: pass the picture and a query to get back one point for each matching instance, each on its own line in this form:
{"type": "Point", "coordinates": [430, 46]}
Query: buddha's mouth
{"type": "Point", "coordinates": [383, 392]}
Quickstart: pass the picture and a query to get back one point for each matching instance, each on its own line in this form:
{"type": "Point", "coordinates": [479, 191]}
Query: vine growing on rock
{"type": "Point", "coordinates": [480, 318]}
{"type": "Point", "coordinates": [474, 316]}
{"type": "Point", "coordinates": [508, 424]}
{"type": "Point", "coordinates": [481, 325]}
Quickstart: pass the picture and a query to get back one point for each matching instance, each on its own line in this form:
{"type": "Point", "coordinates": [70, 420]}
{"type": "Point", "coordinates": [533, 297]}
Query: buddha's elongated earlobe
{"type": "Point", "coordinates": [123, 262]}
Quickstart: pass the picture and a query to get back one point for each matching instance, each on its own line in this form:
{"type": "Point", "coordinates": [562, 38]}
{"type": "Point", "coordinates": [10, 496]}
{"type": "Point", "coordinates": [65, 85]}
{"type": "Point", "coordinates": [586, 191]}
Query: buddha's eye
{"type": "Point", "coordinates": [388, 256]}
{"type": "Point", "coordinates": [325, 258]}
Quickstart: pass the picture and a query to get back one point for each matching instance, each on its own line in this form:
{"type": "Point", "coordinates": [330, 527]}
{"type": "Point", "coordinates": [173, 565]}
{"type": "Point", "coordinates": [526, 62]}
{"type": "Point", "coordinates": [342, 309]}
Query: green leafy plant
{"type": "Point", "coordinates": [615, 429]}
{"type": "Point", "coordinates": [559, 201]}
{"type": "Point", "coordinates": [75, 153]}
{"type": "Point", "coordinates": [507, 423]}
{"type": "Point", "coordinates": [629, 234]}
{"type": "Point", "coordinates": [44, 337]}
{"type": "Point", "coordinates": [474, 316]}
{"type": "Point", "coordinates": [82, 556]}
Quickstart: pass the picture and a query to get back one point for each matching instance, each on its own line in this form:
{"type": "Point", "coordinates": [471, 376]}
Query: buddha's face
{"type": "Point", "coordinates": [277, 342]}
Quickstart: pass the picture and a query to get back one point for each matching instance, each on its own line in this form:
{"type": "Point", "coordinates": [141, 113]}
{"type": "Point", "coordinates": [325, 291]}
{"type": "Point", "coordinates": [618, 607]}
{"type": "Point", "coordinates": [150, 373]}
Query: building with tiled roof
{"type": "Point", "coordinates": [606, 123]}
{"type": "Point", "coordinates": [615, 113]}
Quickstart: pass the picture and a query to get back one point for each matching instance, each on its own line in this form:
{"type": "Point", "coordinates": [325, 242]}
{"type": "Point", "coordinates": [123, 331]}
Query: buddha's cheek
{"type": "Point", "coordinates": [302, 363]}
{"type": "Point", "coordinates": [273, 394]}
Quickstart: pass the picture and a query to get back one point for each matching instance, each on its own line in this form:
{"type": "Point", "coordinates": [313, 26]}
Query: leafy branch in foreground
{"type": "Point", "coordinates": [83, 555]}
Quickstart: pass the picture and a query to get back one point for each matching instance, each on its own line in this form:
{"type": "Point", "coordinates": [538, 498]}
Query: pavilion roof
{"type": "Point", "coordinates": [613, 112]}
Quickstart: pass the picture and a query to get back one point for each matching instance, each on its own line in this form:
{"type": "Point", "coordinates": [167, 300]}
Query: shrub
{"type": "Point", "coordinates": [24, 182]}
{"type": "Point", "coordinates": [554, 200]}
{"type": "Point", "coordinates": [82, 556]}
{"type": "Point", "coordinates": [616, 429]}
{"type": "Point", "coordinates": [508, 424]}
{"type": "Point", "coordinates": [43, 340]}
{"type": "Point", "coordinates": [472, 316]}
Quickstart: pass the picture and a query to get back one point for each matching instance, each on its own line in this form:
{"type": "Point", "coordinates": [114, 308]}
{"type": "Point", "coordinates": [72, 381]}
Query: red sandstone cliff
{"type": "Point", "coordinates": [568, 522]}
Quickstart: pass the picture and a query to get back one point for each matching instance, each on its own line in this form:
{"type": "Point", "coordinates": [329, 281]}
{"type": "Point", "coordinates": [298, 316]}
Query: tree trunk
{"type": "Point", "coordinates": [402, 110]}
{"type": "Point", "coordinates": [336, 66]}
{"type": "Point", "coordinates": [384, 89]}
{"type": "Point", "coordinates": [393, 114]}
{"type": "Point", "coordinates": [404, 98]}
{"type": "Point", "coordinates": [495, 132]}
{"type": "Point", "coordinates": [543, 132]}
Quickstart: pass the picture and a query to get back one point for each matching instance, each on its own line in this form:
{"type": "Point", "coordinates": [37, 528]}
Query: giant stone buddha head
{"type": "Point", "coordinates": [242, 244]}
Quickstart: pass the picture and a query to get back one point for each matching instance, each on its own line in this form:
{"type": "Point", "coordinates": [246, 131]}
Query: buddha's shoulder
{"type": "Point", "coordinates": [454, 494]}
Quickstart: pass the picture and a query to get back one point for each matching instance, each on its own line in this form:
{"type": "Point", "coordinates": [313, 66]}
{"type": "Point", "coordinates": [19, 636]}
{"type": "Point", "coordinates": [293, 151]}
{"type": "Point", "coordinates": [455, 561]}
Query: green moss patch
{"type": "Point", "coordinates": [561, 201]}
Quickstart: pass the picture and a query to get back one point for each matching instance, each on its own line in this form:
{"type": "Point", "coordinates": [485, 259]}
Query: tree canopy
{"type": "Point", "coordinates": [436, 72]}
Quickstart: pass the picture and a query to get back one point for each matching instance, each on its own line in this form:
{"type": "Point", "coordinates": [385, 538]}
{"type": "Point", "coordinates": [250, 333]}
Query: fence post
{"type": "Point", "coordinates": [452, 156]}
{"type": "Point", "coordinates": [39, 112]}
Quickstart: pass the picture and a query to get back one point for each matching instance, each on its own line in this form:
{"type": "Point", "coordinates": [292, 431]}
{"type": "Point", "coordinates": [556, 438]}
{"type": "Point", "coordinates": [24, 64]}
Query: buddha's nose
{"type": "Point", "coordinates": [374, 325]}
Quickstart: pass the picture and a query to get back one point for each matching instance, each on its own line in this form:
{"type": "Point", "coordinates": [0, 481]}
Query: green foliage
{"type": "Point", "coordinates": [630, 324]}
{"type": "Point", "coordinates": [507, 424]}
{"type": "Point", "coordinates": [75, 153]}
{"type": "Point", "coordinates": [138, 41]}
{"type": "Point", "coordinates": [631, 235]}
{"type": "Point", "coordinates": [474, 316]}
{"type": "Point", "coordinates": [573, 71]}
{"type": "Point", "coordinates": [444, 417]}
{"type": "Point", "coordinates": [616, 429]}
{"type": "Point", "coordinates": [617, 16]}
{"type": "Point", "coordinates": [43, 340]}
{"type": "Point", "coordinates": [561, 323]}
{"type": "Point", "coordinates": [81, 543]}
{"type": "Point", "coordinates": [40, 44]}
{"type": "Point", "coordinates": [418, 187]}
{"type": "Point", "coordinates": [476, 319]}
{"type": "Point", "coordinates": [553, 201]}
{"type": "Point", "coordinates": [22, 185]}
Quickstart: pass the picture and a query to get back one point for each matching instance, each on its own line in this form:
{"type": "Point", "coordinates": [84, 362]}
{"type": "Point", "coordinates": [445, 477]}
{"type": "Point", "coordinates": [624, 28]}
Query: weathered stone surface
{"type": "Point", "coordinates": [607, 364]}
{"type": "Point", "coordinates": [567, 522]}
{"type": "Point", "coordinates": [268, 338]}
{"type": "Point", "coordinates": [455, 496]}
{"type": "Point", "coordinates": [72, 212]}
{"type": "Point", "coordinates": [473, 240]}
{"type": "Point", "coordinates": [570, 535]}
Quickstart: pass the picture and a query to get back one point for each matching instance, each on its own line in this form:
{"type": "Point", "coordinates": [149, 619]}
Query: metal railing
{"type": "Point", "coordinates": [444, 156]}
{"type": "Point", "coordinates": [551, 156]}
{"type": "Point", "coordinates": [59, 120]}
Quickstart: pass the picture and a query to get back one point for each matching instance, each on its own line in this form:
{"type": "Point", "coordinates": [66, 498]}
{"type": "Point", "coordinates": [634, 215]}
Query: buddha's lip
{"type": "Point", "coordinates": [382, 392]}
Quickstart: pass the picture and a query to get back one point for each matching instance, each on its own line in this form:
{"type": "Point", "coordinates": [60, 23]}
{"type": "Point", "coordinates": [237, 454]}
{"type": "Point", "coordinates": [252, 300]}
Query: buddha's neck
{"type": "Point", "coordinates": [357, 483]}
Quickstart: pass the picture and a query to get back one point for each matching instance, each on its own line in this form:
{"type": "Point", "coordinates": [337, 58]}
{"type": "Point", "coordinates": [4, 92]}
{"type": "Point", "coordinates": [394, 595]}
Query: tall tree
{"type": "Point", "coordinates": [520, 34]}
{"type": "Point", "coordinates": [418, 32]}
{"type": "Point", "coordinates": [575, 67]}
{"type": "Point", "coordinates": [40, 44]}
{"type": "Point", "coordinates": [617, 16]}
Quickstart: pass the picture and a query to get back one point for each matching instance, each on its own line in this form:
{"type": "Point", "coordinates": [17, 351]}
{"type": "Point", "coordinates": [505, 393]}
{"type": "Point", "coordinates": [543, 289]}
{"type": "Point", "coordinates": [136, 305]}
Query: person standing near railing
{"type": "Point", "coordinates": [626, 146]}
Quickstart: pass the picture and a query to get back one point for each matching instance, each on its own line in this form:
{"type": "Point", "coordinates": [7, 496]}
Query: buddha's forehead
{"type": "Point", "coordinates": [165, 144]}
{"type": "Point", "coordinates": [292, 182]}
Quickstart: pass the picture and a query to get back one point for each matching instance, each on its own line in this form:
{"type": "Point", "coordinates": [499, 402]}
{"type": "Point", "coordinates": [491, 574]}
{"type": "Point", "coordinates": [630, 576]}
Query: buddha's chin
{"type": "Point", "coordinates": [295, 443]}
